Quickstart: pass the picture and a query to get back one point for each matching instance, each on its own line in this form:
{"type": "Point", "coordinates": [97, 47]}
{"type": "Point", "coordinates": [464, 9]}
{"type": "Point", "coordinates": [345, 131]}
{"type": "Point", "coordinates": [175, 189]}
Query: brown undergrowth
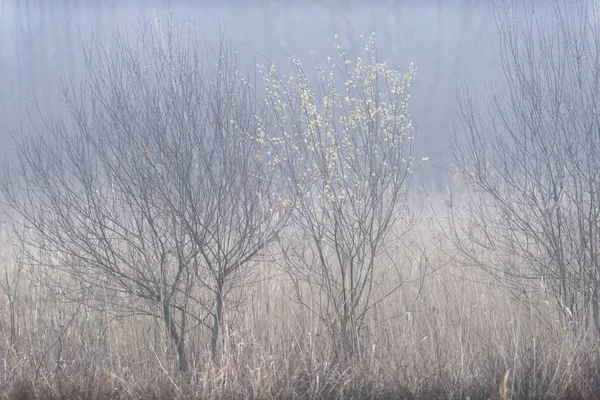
{"type": "Point", "coordinates": [449, 332]}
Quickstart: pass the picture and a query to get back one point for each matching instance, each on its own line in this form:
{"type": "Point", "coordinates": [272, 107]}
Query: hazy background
{"type": "Point", "coordinates": [452, 42]}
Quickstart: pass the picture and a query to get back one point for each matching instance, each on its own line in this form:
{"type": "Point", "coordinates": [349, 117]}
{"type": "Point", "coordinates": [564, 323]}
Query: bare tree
{"type": "Point", "coordinates": [344, 159]}
{"type": "Point", "coordinates": [148, 199]}
{"type": "Point", "coordinates": [531, 160]}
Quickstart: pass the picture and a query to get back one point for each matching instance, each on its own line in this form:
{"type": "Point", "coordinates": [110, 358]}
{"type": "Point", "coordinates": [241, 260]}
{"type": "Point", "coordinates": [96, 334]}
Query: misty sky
{"type": "Point", "coordinates": [453, 43]}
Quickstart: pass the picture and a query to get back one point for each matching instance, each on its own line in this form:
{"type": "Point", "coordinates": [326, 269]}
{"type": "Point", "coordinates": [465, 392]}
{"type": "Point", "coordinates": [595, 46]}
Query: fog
{"type": "Point", "coordinates": [453, 44]}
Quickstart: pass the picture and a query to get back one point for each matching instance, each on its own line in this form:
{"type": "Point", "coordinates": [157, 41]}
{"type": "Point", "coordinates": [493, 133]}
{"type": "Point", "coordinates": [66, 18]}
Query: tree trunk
{"type": "Point", "coordinates": [214, 341]}
{"type": "Point", "coordinates": [178, 339]}
{"type": "Point", "coordinates": [13, 324]}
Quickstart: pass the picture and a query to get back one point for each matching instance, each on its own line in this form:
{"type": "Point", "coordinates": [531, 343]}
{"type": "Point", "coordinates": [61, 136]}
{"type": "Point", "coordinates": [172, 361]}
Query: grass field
{"type": "Point", "coordinates": [448, 332]}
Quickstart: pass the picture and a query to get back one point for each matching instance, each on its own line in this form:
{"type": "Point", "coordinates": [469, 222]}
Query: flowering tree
{"type": "Point", "coordinates": [343, 161]}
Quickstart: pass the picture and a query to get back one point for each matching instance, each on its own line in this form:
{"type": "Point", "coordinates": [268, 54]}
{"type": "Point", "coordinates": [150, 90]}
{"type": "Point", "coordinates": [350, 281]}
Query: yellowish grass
{"type": "Point", "coordinates": [448, 332]}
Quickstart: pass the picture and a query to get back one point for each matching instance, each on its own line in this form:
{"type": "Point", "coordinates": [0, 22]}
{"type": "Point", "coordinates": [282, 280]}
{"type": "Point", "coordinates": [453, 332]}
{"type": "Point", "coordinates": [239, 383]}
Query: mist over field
{"type": "Point", "coordinates": [310, 199]}
{"type": "Point", "coordinates": [452, 43]}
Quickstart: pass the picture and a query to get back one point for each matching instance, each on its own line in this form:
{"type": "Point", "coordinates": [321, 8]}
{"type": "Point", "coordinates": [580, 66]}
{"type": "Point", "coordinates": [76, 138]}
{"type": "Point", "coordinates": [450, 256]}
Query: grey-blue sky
{"type": "Point", "coordinates": [452, 42]}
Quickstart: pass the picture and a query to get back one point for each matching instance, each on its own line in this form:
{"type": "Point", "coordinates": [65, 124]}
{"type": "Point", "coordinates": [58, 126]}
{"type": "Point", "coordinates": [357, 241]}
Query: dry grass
{"type": "Point", "coordinates": [448, 333]}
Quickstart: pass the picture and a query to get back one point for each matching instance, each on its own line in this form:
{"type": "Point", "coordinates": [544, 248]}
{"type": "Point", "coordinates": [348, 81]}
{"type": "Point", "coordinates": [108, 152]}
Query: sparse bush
{"type": "Point", "coordinates": [530, 163]}
{"type": "Point", "coordinates": [148, 199]}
